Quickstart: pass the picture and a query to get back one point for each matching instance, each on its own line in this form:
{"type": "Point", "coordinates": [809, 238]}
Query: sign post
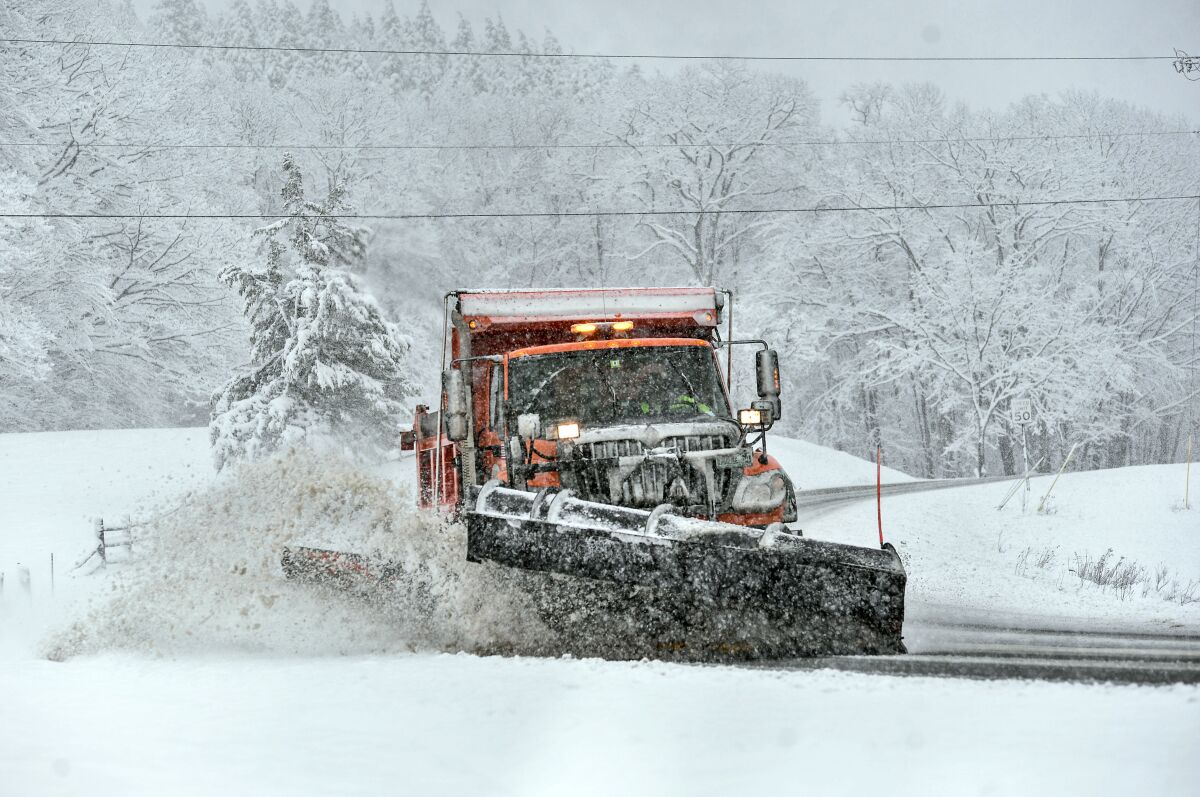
{"type": "Point", "coordinates": [1021, 414]}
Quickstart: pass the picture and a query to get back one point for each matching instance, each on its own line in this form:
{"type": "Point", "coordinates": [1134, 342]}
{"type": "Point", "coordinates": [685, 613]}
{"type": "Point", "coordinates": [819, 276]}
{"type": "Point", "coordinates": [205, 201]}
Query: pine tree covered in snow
{"type": "Point", "coordinates": [326, 367]}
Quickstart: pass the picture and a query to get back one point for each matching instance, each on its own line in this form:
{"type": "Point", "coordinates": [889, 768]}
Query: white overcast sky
{"type": "Point", "coordinates": [875, 27]}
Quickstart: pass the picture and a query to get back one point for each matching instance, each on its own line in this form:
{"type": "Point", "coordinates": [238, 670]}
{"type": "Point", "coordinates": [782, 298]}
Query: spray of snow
{"type": "Point", "coordinates": [209, 576]}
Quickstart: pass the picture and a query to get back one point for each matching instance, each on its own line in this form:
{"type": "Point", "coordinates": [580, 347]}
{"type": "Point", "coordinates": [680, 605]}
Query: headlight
{"type": "Point", "coordinates": [760, 493]}
{"type": "Point", "coordinates": [750, 417]}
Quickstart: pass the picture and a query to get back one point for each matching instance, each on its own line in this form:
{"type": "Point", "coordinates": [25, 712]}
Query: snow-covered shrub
{"type": "Point", "coordinates": [1121, 575]}
{"type": "Point", "coordinates": [1183, 594]}
{"type": "Point", "coordinates": [326, 368]}
{"type": "Point", "coordinates": [1041, 559]}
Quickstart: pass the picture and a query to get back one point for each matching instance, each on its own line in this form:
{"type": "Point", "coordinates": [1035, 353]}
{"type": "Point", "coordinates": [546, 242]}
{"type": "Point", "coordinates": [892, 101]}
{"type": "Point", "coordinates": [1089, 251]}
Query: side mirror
{"type": "Point", "coordinates": [455, 388]}
{"type": "Point", "coordinates": [766, 363]}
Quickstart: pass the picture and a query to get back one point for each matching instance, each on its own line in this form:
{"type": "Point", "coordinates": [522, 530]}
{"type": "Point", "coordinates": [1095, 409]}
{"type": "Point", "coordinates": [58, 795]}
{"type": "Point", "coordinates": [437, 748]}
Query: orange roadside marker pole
{"type": "Point", "coordinates": [879, 490]}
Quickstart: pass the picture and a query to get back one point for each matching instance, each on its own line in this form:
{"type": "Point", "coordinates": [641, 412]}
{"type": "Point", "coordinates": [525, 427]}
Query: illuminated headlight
{"type": "Point", "coordinates": [568, 431]}
{"type": "Point", "coordinates": [760, 493]}
{"type": "Point", "coordinates": [750, 417]}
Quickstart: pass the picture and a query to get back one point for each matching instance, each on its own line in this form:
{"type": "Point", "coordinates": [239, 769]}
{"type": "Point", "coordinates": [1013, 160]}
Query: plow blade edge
{"type": "Point", "coordinates": [701, 589]}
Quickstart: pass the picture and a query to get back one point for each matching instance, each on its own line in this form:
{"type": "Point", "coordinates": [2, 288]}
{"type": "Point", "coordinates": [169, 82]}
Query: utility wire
{"type": "Point", "coordinates": [608, 145]}
{"type": "Point", "coordinates": [599, 213]}
{"type": "Point", "coordinates": [654, 56]}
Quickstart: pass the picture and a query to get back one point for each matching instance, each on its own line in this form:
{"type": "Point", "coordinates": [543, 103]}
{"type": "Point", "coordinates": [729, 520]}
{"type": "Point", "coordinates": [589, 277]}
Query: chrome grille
{"type": "Point", "coordinates": [696, 442]}
{"type": "Point", "coordinates": [611, 449]}
{"type": "Point", "coordinates": [588, 469]}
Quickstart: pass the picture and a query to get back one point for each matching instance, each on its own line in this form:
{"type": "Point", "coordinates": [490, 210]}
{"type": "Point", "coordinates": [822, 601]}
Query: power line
{"type": "Point", "coordinates": [607, 145]}
{"type": "Point", "coordinates": [650, 56]}
{"type": "Point", "coordinates": [600, 213]}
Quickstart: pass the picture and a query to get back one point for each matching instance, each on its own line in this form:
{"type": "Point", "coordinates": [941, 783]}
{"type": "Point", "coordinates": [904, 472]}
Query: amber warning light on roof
{"type": "Point", "coordinates": [590, 327]}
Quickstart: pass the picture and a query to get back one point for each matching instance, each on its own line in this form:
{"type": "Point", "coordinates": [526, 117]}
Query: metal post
{"type": "Point", "coordinates": [51, 574]}
{"type": "Point", "coordinates": [1025, 464]}
{"type": "Point", "coordinates": [1023, 481]}
{"type": "Point", "coordinates": [1042, 503]}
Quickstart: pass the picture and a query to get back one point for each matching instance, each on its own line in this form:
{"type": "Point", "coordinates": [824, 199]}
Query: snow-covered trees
{"type": "Point", "coordinates": [914, 327]}
{"type": "Point", "coordinates": [723, 126]}
{"type": "Point", "coordinates": [926, 323]}
{"type": "Point", "coordinates": [325, 367]}
{"type": "Point", "coordinates": [127, 314]}
{"type": "Point", "coordinates": [24, 340]}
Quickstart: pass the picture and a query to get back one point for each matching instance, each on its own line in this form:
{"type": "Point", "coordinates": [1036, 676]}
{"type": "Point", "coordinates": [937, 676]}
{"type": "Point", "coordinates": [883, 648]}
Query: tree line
{"type": "Point", "coordinates": [900, 325]}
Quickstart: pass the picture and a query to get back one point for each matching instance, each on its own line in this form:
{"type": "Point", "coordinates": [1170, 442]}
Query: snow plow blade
{"type": "Point", "coordinates": [654, 583]}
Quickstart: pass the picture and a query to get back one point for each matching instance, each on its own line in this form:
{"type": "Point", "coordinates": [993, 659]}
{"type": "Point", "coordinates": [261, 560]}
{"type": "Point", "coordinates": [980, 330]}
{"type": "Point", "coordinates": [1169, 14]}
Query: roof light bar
{"type": "Point", "coordinates": [591, 326]}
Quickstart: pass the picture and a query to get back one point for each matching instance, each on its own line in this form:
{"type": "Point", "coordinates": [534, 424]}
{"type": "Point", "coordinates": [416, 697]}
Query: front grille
{"type": "Point", "coordinates": [591, 466]}
{"type": "Point", "coordinates": [611, 449]}
{"type": "Point", "coordinates": [696, 442]}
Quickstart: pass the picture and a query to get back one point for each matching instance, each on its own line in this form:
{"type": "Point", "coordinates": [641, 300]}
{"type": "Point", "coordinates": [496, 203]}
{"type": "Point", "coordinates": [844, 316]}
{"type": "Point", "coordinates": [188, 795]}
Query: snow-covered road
{"type": "Point", "coordinates": [1006, 648]}
{"type": "Point", "coordinates": [458, 724]}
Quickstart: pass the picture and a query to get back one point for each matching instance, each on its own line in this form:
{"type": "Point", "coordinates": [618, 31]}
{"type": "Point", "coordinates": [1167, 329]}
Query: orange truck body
{"type": "Point", "coordinates": [491, 330]}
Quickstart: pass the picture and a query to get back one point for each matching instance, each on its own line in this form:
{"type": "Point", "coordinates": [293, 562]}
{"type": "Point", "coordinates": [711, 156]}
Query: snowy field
{"type": "Point", "coordinates": [214, 683]}
{"type": "Point", "coordinates": [964, 556]}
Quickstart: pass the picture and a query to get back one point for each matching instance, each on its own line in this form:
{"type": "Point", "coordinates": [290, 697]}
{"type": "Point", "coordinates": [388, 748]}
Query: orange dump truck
{"type": "Point", "coordinates": [588, 440]}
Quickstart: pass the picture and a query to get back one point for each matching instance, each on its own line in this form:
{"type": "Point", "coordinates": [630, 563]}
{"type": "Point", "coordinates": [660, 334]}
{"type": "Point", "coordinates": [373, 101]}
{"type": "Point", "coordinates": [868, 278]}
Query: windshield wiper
{"type": "Point", "coordinates": [537, 391]}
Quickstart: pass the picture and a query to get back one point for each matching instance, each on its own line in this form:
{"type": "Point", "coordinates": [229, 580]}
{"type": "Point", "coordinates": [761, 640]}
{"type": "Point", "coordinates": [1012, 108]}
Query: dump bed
{"type": "Point", "coordinates": [696, 306]}
{"type": "Point", "coordinates": [499, 321]}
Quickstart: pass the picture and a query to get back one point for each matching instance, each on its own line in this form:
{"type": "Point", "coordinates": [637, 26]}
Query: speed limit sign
{"type": "Point", "coordinates": [1021, 411]}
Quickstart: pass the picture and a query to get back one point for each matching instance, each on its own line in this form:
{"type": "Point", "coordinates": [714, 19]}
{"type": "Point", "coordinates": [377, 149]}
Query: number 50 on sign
{"type": "Point", "coordinates": [1021, 411]}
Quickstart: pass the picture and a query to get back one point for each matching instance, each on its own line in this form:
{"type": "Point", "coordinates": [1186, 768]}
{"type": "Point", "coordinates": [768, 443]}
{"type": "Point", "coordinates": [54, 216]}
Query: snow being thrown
{"type": "Point", "coordinates": [209, 576]}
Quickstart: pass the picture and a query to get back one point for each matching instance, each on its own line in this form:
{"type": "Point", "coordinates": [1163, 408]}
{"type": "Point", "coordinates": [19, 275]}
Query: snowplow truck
{"type": "Point", "coordinates": [588, 441]}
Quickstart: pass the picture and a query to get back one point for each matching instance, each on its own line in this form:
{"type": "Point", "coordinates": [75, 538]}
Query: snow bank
{"type": "Point", "coordinates": [52, 484]}
{"type": "Point", "coordinates": [963, 554]}
{"type": "Point", "coordinates": [812, 466]}
{"type": "Point", "coordinates": [208, 575]}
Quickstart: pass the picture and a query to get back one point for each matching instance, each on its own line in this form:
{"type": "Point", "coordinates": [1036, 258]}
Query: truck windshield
{"type": "Point", "coordinates": [621, 385]}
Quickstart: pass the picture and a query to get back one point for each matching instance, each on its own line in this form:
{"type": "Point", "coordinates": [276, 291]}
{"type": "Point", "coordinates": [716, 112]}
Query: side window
{"type": "Point", "coordinates": [496, 377]}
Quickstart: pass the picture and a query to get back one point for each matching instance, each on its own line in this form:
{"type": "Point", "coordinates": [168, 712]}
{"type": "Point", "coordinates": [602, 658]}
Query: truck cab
{"type": "Point", "coordinates": [617, 395]}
